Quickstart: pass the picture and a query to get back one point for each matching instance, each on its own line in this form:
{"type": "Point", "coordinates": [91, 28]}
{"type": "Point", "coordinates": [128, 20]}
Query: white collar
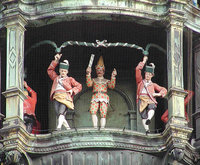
{"type": "Point", "coordinates": [147, 82]}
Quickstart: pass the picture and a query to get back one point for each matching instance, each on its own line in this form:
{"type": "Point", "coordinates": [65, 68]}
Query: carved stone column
{"type": "Point", "coordinates": [197, 87]}
{"type": "Point", "coordinates": [190, 75]}
{"type": "Point", "coordinates": [177, 126]}
{"type": "Point", "coordinates": [2, 71]}
{"type": "Point", "coordinates": [14, 71]}
{"type": "Point", "coordinates": [175, 70]}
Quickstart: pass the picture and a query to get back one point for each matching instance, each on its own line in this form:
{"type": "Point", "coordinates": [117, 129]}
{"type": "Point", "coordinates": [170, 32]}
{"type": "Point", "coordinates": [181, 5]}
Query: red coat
{"type": "Point", "coordinates": [152, 87]}
{"type": "Point", "coordinates": [30, 102]}
{"type": "Point", "coordinates": [68, 83]}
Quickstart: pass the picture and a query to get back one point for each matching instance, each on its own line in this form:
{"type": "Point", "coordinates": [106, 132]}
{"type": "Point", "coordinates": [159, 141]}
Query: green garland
{"type": "Point", "coordinates": [96, 45]}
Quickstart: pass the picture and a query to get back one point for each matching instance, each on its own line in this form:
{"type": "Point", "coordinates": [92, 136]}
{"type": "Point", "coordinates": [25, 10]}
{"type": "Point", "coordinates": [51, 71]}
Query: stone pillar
{"type": "Point", "coordinates": [133, 119]}
{"type": "Point", "coordinates": [177, 126]}
{"type": "Point", "coordinates": [2, 72]}
{"type": "Point", "coordinates": [175, 70]}
{"type": "Point", "coordinates": [197, 86]}
{"type": "Point", "coordinates": [15, 67]}
{"type": "Point", "coordinates": [190, 74]}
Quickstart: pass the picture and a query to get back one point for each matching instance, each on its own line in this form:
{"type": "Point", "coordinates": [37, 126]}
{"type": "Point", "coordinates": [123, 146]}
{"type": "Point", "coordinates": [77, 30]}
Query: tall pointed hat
{"type": "Point", "coordinates": [100, 64]}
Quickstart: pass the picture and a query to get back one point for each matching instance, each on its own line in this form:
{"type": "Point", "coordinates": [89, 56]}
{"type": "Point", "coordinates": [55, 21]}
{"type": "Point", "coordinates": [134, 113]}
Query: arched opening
{"type": "Point", "coordinates": [123, 59]}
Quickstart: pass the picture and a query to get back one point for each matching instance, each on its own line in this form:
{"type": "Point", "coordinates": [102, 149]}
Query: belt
{"type": "Point", "coordinates": [143, 94]}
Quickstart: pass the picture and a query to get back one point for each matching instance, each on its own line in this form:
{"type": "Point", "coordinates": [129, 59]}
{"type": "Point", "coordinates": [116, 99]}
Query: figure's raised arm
{"type": "Point", "coordinates": [31, 91]}
{"type": "Point", "coordinates": [138, 72]}
{"type": "Point", "coordinates": [145, 58]}
{"type": "Point", "coordinates": [57, 57]}
{"type": "Point", "coordinates": [89, 81]}
{"type": "Point", "coordinates": [114, 73]}
{"type": "Point", "coordinates": [112, 82]}
{"type": "Point", "coordinates": [51, 69]}
{"type": "Point", "coordinates": [88, 70]}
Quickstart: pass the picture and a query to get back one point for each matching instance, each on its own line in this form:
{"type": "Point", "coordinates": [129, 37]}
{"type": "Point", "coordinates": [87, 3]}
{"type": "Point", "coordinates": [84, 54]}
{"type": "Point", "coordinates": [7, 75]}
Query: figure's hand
{"type": "Point", "coordinates": [156, 94]}
{"type": "Point", "coordinates": [25, 84]}
{"type": "Point", "coordinates": [145, 58]}
{"type": "Point", "coordinates": [57, 57]}
{"type": "Point", "coordinates": [114, 73]}
{"type": "Point", "coordinates": [70, 91]}
{"type": "Point", "coordinates": [88, 70]}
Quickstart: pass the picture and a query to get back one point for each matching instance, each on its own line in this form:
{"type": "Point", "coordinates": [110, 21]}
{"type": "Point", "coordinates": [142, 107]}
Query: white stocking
{"type": "Point", "coordinates": [146, 127]}
{"type": "Point", "coordinates": [94, 120]}
{"type": "Point", "coordinates": [61, 118]}
{"type": "Point", "coordinates": [65, 123]}
{"type": "Point", "coordinates": [103, 122]}
{"type": "Point", "coordinates": [150, 114]}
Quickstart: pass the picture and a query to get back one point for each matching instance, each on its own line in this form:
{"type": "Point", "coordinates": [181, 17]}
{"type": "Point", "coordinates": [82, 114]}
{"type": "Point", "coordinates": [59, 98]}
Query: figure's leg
{"type": "Point", "coordinates": [150, 115]}
{"type": "Point", "coordinates": [143, 107]}
{"type": "Point", "coordinates": [144, 116]}
{"type": "Point", "coordinates": [65, 123]}
{"type": "Point", "coordinates": [93, 110]}
{"type": "Point", "coordinates": [56, 107]}
{"type": "Point", "coordinates": [60, 118]}
{"type": "Point", "coordinates": [95, 121]}
{"type": "Point", "coordinates": [61, 110]}
{"type": "Point", "coordinates": [146, 127]}
{"type": "Point", "coordinates": [103, 111]}
{"type": "Point", "coordinates": [60, 122]}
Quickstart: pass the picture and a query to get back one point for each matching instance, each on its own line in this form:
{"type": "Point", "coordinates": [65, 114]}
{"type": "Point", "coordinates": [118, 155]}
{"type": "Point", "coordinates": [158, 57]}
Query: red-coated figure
{"type": "Point", "coordinates": [164, 117]}
{"type": "Point", "coordinates": [63, 90]}
{"type": "Point", "coordinates": [147, 91]}
{"type": "Point", "coordinates": [29, 108]}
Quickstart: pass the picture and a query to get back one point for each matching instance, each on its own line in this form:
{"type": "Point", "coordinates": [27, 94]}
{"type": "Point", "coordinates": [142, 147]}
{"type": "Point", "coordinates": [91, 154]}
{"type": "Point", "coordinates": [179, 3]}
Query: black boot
{"type": "Point", "coordinates": [147, 132]}
{"type": "Point", "coordinates": [148, 122]}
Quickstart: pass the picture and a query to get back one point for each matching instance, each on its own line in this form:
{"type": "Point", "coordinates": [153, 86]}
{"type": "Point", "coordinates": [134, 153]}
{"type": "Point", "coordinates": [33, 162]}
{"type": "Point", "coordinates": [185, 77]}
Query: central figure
{"type": "Point", "coordinates": [100, 99]}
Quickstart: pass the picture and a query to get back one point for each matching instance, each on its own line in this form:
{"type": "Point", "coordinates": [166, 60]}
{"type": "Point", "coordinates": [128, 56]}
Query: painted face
{"type": "Point", "coordinates": [63, 73]}
{"type": "Point", "coordinates": [100, 72]}
{"type": "Point", "coordinates": [148, 76]}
